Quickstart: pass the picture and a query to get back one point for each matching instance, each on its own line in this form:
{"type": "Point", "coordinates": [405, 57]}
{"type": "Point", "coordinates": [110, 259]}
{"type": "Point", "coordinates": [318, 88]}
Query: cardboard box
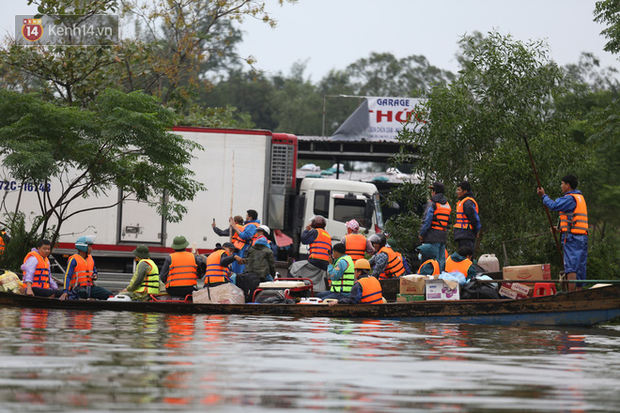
{"type": "Point", "coordinates": [439, 290]}
{"type": "Point", "coordinates": [528, 272]}
{"type": "Point", "coordinates": [406, 298]}
{"type": "Point", "coordinates": [515, 291]}
{"type": "Point", "coordinates": [412, 284]}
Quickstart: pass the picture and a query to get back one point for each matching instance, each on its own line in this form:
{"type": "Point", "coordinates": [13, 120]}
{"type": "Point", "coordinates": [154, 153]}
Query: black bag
{"type": "Point", "coordinates": [248, 282]}
{"type": "Point", "coordinates": [474, 291]}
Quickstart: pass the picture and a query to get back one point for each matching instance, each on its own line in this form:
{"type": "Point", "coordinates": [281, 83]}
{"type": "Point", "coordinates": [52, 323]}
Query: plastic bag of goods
{"type": "Point", "coordinates": [222, 294]}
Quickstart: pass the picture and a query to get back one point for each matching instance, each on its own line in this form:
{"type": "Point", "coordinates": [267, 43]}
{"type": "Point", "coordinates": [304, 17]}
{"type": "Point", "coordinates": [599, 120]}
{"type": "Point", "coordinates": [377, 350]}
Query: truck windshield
{"type": "Point", "coordinates": [348, 209]}
{"type": "Point", "coordinates": [378, 213]}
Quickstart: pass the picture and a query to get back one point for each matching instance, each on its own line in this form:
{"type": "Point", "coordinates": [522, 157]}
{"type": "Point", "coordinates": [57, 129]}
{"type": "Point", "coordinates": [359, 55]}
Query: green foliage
{"type": "Point", "coordinates": [23, 239]}
{"type": "Point", "coordinates": [123, 141]}
{"type": "Point", "coordinates": [608, 12]}
{"type": "Point", "coordinates": [474, 129]}
{"type": "Point", "coordinates": [227, 117]}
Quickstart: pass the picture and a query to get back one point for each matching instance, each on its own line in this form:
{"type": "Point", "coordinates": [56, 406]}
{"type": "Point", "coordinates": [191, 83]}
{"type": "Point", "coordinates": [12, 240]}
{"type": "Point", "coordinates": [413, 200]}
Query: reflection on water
{"type": "Point", "coordinates": [73, 360]}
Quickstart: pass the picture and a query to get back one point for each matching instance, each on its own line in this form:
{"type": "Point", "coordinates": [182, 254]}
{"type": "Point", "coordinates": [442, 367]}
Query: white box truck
{"type": "Point", "coordinates": [241, 169]}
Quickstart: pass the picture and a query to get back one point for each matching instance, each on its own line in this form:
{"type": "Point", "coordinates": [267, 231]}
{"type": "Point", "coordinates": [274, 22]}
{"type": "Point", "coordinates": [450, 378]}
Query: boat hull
{"type": "Point", "coordinates": [583, 308]}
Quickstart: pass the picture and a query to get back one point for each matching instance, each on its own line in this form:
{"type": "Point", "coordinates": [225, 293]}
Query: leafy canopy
{"type": "Point", "coordinates": [474, 129]}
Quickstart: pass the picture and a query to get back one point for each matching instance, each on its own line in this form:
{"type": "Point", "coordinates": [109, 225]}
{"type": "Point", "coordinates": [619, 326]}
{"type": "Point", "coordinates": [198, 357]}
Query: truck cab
{"type": "Point", "coordinates": [339, 201]}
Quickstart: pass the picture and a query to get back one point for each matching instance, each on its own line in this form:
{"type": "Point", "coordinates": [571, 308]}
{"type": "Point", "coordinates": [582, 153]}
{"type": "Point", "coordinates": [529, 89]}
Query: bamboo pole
{"type": "Point", "coordinates": [232, 195]}
{"type": "Point", "coordinates": [555, 236]}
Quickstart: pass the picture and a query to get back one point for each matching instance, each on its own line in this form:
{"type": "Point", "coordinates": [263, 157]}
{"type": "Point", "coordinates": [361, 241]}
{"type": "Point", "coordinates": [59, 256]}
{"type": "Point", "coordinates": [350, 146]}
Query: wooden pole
{"type": "Point", "coordinates": [232, 194]}
{"type": "Point", "coordinates": [555, 236]}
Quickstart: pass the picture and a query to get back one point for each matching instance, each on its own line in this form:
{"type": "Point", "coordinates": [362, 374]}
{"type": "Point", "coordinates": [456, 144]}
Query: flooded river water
{"type": "Point", "coordinates": [54, 361]}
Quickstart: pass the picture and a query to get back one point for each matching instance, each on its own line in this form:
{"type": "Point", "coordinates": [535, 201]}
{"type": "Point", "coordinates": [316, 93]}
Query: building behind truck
{"type": "Point", "coordinates": [241, 170]}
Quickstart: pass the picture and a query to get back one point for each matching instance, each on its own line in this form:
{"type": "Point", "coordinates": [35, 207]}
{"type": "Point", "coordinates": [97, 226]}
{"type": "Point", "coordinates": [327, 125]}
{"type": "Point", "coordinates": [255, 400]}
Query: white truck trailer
{"type": "Point", "coordinates": [241, 170]}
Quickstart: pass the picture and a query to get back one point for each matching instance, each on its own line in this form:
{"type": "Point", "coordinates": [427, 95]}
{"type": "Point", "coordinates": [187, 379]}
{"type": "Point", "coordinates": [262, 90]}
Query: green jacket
{"type": "Point", "coordinates": [260, 261]}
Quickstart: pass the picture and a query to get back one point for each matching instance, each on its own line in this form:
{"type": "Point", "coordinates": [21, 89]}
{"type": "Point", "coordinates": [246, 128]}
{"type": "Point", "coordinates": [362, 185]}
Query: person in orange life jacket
{"type": "Point", "coordinates": [181, 269]}
{"type": "Point", "coordinates": [247, 234]}
{"type": "Point", "coordinates": [467, 226]}
{"type": "Point", "coordinates": [145, 280]}
{"type": "Point", "coordinates": [433, 231]}
{"type": "Point", "coordinates": [37, 273]}
{"type": "Point", "coordinates": [366, 290]}
{"type": "Point", "coordinates": [461, 261]}
{"type": "Point", "coordinates": [355, 243]}
{"type": "Point", "coordinates": [574, 228]}
{"type": "Point", "coordinates": [320, 242]}
{"type": "Point", "coordinates": [81, 273]}
{"type": "Point", "coordinates": [386, 262]}
{"type": "Point", "coordinates": [340, 273]}
{"type": "Point", "coordinates": [429, 264]}
{"type": "Point", "coordinates": [217, 271]}
{"type": "Point", "coordinates": [226, 232]}
{"type": "Point", "coordinates": [4, 239]}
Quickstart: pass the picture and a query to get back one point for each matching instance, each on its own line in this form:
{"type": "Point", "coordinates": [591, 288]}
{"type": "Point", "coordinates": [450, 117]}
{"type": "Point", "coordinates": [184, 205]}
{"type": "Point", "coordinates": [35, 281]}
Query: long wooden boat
{"type": "Point", "coordinates": [584, 308]}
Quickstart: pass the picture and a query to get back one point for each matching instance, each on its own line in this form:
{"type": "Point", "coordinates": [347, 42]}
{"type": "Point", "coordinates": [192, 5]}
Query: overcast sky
{"type": "Point", "coordinates": [330, 34]}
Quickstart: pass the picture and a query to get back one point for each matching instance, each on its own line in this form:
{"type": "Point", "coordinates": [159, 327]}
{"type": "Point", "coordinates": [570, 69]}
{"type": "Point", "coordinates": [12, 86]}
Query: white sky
{"type": "Point", "coordinates": [330, 34]}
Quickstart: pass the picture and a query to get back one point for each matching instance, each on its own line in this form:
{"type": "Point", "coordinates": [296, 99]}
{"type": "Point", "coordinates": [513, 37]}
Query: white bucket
{"type": "Point", "coordinates": [489, 262]}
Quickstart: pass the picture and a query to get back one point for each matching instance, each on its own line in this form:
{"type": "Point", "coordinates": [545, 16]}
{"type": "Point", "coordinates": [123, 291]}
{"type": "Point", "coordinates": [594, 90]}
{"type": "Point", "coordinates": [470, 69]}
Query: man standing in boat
{"type": "Point", "coordinates": [81, 272]}
{"type": "Point", "coordinates": [247, 234]}
{"type": "Point", "coordinates": [37, 275]}
{"type": "Point", "coordinates": [574, 228]}
{"type": "Point", "coordinates": [467, 225]}
{"type": "Point", "coordinates": [433, 231]}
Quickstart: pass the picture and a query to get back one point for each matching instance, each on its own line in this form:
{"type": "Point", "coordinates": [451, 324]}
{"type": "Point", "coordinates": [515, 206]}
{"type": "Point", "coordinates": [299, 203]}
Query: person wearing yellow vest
{"type": "Point", "coordinates": [145, 280]}
{"type": "Point", "coordinates": [81, 272]}
{"type": "Point", "coordinates": [436, 217]}
{"type": "Point", "coordinates": [467, 226]}
{"type": "Point", "coordinates": [426, 255]}
{"type": "Point", "coordinates": [341, 274]}
{"type": "Point", "coordinates": [386, 262]}
{"type": "Point", "coordinates": [37, 274]}
{"type": "Point", "coordinates": [319, 242]}
{"type": "Point", "coordinates": [574, 228]}
{"type": "Point", "coordinates": [366, 290]}
{"type": "Point", "coordinates": [247, 234]}
{"type": "Point", "coordinates": [461, 261]}
{"type": "Point", "coordinates": [181, 269]}
{"type": "Point", "coordinates": [356, 244]}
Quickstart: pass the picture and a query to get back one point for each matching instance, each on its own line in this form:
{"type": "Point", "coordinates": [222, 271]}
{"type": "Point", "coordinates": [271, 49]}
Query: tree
{"type": "Point", "coordinates": [608, 12]}
{"type": "Point", "coordinates": [382, 74]}
{"type": "Point", "coordinates": [64, 154]}
{"type": "Point", "coordinates": [474, 129]}
{"type": "Point", "coordinates": [177, 44]}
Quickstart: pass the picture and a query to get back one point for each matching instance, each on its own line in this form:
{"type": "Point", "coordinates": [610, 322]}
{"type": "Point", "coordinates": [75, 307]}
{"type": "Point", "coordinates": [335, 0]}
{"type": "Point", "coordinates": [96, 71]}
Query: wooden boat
{"type": "Point", "coordinates": [584, 308]}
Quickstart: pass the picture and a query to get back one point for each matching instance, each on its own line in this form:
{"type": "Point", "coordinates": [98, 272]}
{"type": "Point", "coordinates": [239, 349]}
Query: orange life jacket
{"type": "Point", "coordinates": [355, 245]}
{"type": "Point", "coordinates": [41, 278]}
{"type": "Point", "coordinates": [371, 290]}
{"type": "Point", "coordinates": [83, 271]}
{"type": "Point", "coordinates": [2, 245]}
{"type": "Point", "coordinates": [435, 265]}
{"type": "Point", "coordinates": [441, 215]}
{"type": "Point", "coordinates": [321, 247]}
{"type": "Point", "coordinates": [577, 221]}
{"type": "Point", "coordinates": [462, 267]}
{"type": "Point", "coordinates": [215, 272]}
{"type": "Point", "coordinates": [461, 219]}
{"type": "Point", "coordinates": [182, 270]}
{"type": "Point", "coordinates": [236, 239]}
{"type": "Point", "coordinates": [253, 239]}
{"type": "Point", "coordinates": [395, 267]}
